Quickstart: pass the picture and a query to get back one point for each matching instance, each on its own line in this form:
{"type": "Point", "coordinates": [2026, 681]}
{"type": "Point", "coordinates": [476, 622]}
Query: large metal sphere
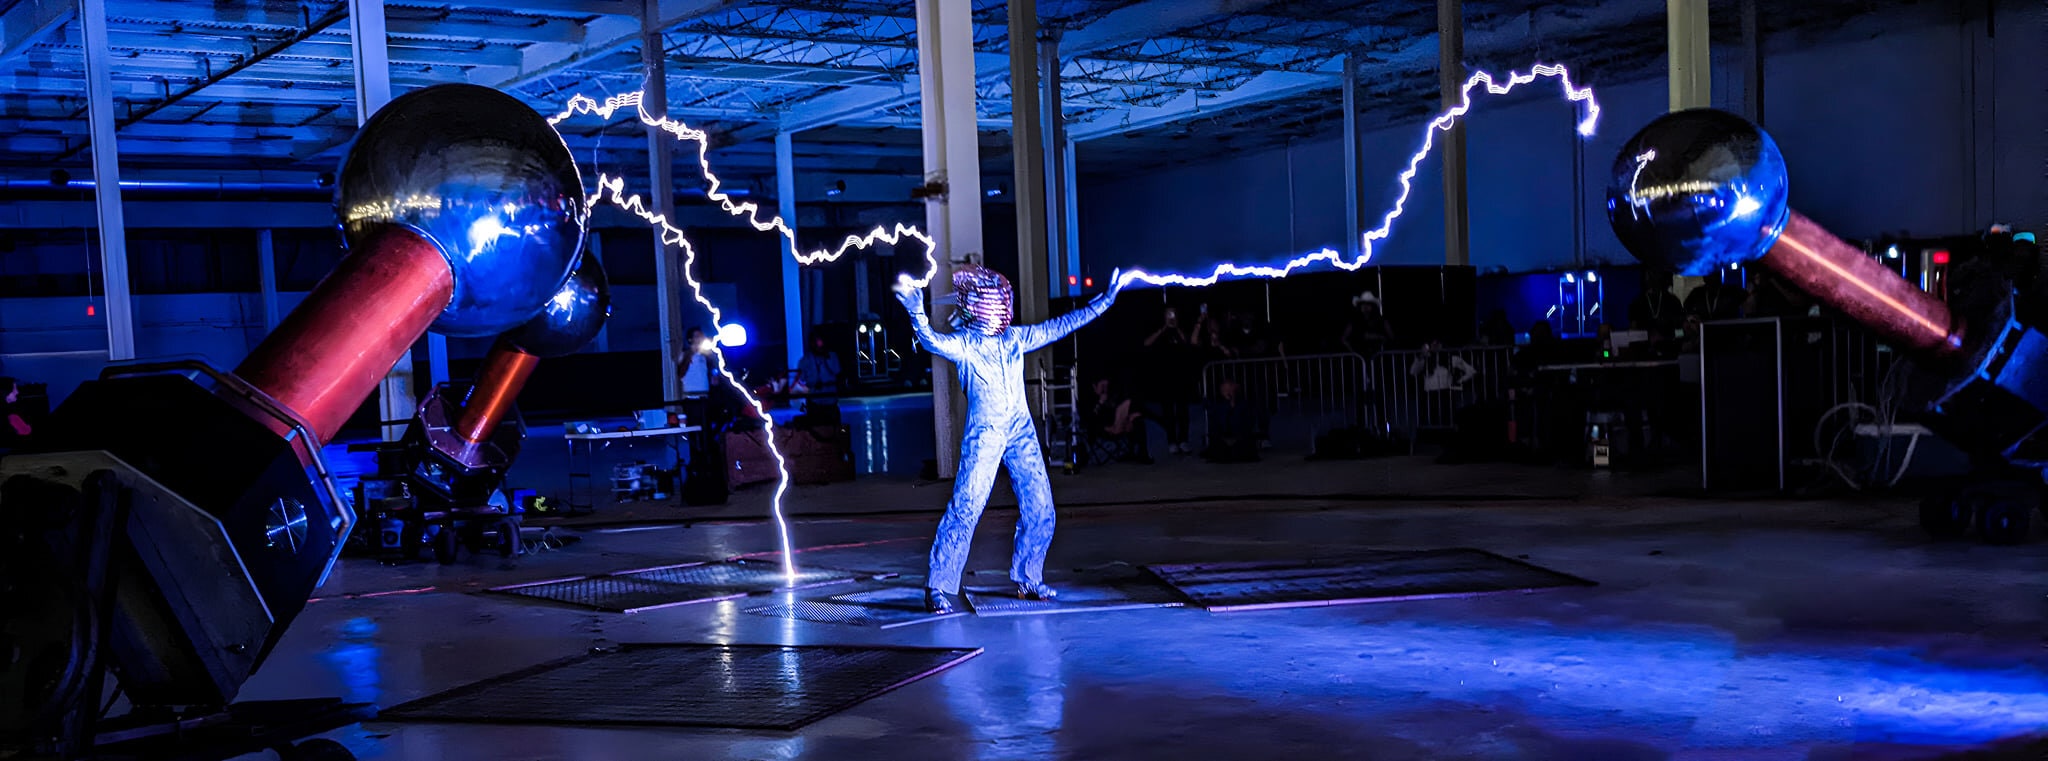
{"type": "Point", "coordinates": [487, 180]}
{"type": "Point", "coordinates": [572, 317]}
{"type": "Point", "coordinates": [1696, 190]}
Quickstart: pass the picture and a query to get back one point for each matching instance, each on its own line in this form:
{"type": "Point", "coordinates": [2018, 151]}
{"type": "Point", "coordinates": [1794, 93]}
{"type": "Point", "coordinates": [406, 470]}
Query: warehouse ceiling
{"type": "Point", "coordinates": [263, 90]}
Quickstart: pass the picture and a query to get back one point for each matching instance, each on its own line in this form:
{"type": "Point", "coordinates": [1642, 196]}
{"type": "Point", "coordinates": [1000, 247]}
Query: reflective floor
{"type": "Point", "coordinates": [1793, 630]}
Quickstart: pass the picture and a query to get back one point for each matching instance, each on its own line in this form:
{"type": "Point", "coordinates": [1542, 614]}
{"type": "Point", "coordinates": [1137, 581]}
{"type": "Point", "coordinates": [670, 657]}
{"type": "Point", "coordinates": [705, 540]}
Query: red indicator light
{"type": "Point", "coordinates": [1088, 283]}
{"type": "Point", "coordinates": [1941, 257]}
{"type": "Point", "coordinates": [1071, 279]}
{"type": "Point", "coordinates": [88, 310]}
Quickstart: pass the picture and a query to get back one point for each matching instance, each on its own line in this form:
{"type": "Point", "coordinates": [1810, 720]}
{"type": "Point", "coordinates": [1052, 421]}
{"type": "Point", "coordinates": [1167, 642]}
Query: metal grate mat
{"type": "Point", "coordinates": [684, 584]}
{"type": "Point", "coordinates": [773, 687]}
{"type": "Point", "coordinates": [1372, 577]}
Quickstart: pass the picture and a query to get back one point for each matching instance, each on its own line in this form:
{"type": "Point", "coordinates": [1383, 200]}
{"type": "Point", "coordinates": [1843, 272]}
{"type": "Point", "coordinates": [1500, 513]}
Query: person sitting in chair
{"type": "Point", "coordinates": [1234, 426]}
{"type": "Point", "coordinates": [1111, 417]}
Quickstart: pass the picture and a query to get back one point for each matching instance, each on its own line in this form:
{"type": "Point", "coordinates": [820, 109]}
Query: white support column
{"type": "Point", "coordinates": [1354, 224]}
{"type": "Point", "coordinates": [266, 275]}
{"type": "Point", "coordinates": [794, 327]}
{"type": "Point", "coordinates": [106, 187]}
{"type": "Point", "coordinates": [668, 274]}
{"type": "Point", "coordinates": [1450, 30]}
{"type": "Point", "coordinates": [372, 56]}
{"type": "Point", "coordinates": [398, 395]}
{"type": "Point", "coordinates": [1691, 57]}
{"type": "Point", "coordinates": [952, 164]}
{"type": "Point", "coordinates": [1052, 133]}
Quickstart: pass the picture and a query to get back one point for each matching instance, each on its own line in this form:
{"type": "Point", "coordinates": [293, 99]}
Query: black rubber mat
{"type": "Point", "coordinates": [736, 686]}
{"type": "Point", "coordinates": [1372, 577]}
{"type": "Point", "coordinates": [650, 588]}
{"type": "Point", "coordinates": [883, 608]}
{"type": "Point", "coordinates": [1088, 591]}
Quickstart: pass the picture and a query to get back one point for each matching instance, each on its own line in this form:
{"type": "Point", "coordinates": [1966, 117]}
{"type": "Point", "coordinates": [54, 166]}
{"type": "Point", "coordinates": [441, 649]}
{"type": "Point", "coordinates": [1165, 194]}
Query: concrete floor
{"type": "Point", "coordinates": [1753, 629]}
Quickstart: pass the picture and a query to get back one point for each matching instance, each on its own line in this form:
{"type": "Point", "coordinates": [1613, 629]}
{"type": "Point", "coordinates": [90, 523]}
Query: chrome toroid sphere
{"type": "Point", "coordinates": [487, 180]}
{"type": "Point", "coordinates": [572, 318]}
{"type": "Point", "coordinates": [1696, 190]}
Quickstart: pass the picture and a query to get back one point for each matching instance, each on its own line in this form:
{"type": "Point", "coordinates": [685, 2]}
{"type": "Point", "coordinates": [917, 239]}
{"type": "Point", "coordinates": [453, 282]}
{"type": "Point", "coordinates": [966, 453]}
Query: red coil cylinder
{"type": "Point", "coordinates": [330, 353]}
{"type": "Point", "coordinates": [498, 382]}
{"type": "Point", "coordinates": [1841, 276]}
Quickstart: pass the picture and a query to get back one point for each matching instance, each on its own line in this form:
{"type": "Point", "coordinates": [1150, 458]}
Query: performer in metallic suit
{"type": "Point", "coordinates": [990, 354]}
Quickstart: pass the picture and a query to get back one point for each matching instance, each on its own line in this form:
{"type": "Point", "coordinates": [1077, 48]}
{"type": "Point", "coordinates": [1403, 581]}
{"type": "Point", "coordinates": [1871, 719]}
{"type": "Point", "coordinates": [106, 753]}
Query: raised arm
{"type": "Point", "coordinates": [943, 344]}
{"type": "Point", "coordinates": [1035, 337]}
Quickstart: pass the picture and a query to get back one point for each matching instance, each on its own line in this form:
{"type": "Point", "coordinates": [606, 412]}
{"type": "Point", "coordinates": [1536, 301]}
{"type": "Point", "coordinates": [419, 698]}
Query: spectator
{"type": "Point", "coordinates": [1441, 370]}
{"type": "Point", "coordinates": [1444, 376]}
{"type": "Point", "coordinates": [1771, 296]}
{"type": "Point", "coordinates": [1367, 332]}
{"type": "Point", "coordinates": [695, 367]}
{"type": "Point", "coordinates": [1243, 337]}
{"type": "Point", "coordinates": [819, 369]}
{"type": "Point", "coordinates": [1496, 330]}
{"type": "Point", "coordinates": [1112, 416]}
{"type": "Point", "coordinates": [818, 379]}
{"type": "Point", "coordinates": [1542, 348]}
{"type": "Point", "coordinates": [1657, 311]}
{"type": "Point", "coordinates": [1172, 379]}
{"type": "Point", "coordinates": [1234, 426]}
{"type": "Point", "coordinates": [1719, 298]}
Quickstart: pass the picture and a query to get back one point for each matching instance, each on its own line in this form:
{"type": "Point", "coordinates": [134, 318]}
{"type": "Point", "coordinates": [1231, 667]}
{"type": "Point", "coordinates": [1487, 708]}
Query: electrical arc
{"type": "Point", "coordinates": [612, 189]}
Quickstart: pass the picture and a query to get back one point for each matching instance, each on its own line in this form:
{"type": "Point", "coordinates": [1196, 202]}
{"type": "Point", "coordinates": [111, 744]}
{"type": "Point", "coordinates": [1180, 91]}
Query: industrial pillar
{"type": "Point", "coordinates": [952, 172]}
{"type": "Point", "coordinates": [1027, 157]}
{"type": "Point", "coordinates": [266, 274]}
{"type": "Point", "coordinates": [1053, 174]}
{"type": "Point", "coordinates": [398, 394]}
{"type": "Point", "coordinates": [1354, 224]}
{"type": "Point", "coordinates": [106, 186]}
{"type": "Point", "coordinates": [668, 277]}
{"type": "Point", "coordinates": [1752, 62]}
{"type": "Point", "coordinates": [1450, 32]}
{"type": "Point", "coordinates": [792, 275]}
{"type": "Point", "coordinates": [1691, 56]}
{"type": "Point", "coordinates": [1070, 199]}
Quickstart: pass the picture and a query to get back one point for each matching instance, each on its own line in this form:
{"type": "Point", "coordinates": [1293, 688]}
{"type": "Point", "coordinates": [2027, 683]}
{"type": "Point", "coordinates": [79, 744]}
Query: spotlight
{"type": "Point", "coordinates": [863, 329]}
{"type": "Point", "coordinates": [732, 334]}
{"type": "Point", "coordinates": [325, 180]}
{"type": "Point", "coordinates": [1592, 277]}
{"type": "Point", "coordinates": [1571, 278]}
{"type": "Point", "coordinates": [1891, 253]}
{"type": "Point", "coordinates": [837, 188]}
{"type": "Point", "coordinates": [60, 178]}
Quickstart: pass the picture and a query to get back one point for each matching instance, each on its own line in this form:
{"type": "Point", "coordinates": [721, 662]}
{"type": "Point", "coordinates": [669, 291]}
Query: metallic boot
{"type": "Point", "coordinates": [1036, 591]}
{"type": "Point", "coordinates": [942, 603]}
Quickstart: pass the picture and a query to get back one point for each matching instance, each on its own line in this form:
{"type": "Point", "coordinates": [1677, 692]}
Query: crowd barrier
{"type": "Point", "coordinates": [1399, 393]}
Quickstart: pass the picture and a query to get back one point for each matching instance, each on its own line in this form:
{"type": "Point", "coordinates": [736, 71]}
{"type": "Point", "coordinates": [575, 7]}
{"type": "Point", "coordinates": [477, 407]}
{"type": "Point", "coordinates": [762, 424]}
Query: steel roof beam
{"type": "Point", "coordinates": [30, 22]}
{"type": "Point", "coordinates": [602, 37]}
{"type": "Point", "coordinates": [1144, 20]}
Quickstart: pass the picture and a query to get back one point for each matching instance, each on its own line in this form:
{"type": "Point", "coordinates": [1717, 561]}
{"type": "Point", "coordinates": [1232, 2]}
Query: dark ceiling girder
{"type": "Point", "coordinates": [316, 26]}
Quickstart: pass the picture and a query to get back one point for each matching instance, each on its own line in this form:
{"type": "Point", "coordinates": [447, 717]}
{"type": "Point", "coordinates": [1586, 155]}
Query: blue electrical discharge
{"type": "Point", "coordinates": [613, 189]}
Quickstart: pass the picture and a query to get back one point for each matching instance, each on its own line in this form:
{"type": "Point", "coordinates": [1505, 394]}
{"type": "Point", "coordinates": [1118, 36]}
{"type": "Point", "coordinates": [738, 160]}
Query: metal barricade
{"type": "Point", "coordinates": [1301, 396]}
{"type": "Point", "coordinates": [1415, 391]}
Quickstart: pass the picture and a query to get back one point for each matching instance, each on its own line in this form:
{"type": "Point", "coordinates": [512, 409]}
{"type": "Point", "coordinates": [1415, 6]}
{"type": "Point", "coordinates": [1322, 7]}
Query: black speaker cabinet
{"type": "Point", "coordinates": [1742, 405]}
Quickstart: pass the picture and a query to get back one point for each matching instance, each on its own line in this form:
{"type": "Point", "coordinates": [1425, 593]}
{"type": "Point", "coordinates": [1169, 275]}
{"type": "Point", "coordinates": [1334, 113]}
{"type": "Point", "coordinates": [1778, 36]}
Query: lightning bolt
{"type": "Point", "coordinates": [1442, 123]}
{"type": "Point", "coordinates": [613, 190]}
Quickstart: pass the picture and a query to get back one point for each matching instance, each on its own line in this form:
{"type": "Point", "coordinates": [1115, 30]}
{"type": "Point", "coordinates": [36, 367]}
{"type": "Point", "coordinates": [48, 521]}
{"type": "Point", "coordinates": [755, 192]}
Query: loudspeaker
{"type": "Point", "coordinates": [1742, 405]}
